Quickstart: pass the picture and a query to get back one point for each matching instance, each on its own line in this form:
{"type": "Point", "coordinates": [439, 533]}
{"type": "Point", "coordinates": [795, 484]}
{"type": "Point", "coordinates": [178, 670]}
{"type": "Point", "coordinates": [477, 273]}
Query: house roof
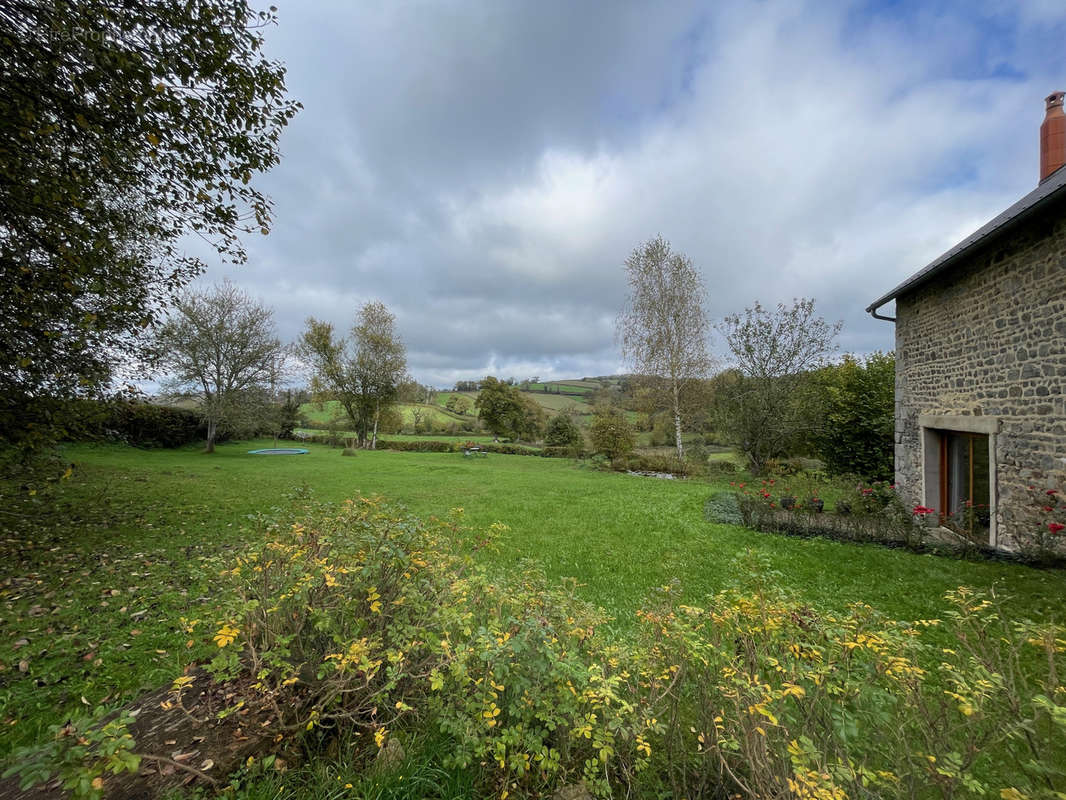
{"type": "Point", "coordinates": [1052, 188]}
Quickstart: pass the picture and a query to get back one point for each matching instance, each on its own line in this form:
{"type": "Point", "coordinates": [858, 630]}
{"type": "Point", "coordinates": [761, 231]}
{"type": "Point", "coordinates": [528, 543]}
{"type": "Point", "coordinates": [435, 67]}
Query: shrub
{"type": "Point", "coordinates": [417, 445]}
{"type": "Point", "coordinates": [610, 433]}
{"type": "Point", "coordinates": [359, 617]}
{"type": "Point", "coordinates": [136, 423]}
{"type": "Point", "coordinates": [768, 697]}
{"type": "Point", "coordinates": [857, 427]}
{"type": "Point", "coordinates": [562, 452]}
{"type": "Point", "coordinates": [562, 432]}
{"type": "Point", "coordinates": [636, 462]}
{"type": "Point", "coordinates": [724, 508]}
{"type": "Point", "coordinates": [721, 467]}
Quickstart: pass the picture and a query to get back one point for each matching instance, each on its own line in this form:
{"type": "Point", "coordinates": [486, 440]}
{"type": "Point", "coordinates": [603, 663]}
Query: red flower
{"type": "Point", "coordinates": [1048, 508]}
{"type": "Point", "coordinates": [923, 510]}
{"type": "Point", "coordinates": [1055, 527]}
{"type": "Point", "coordinates": [1052, 491]}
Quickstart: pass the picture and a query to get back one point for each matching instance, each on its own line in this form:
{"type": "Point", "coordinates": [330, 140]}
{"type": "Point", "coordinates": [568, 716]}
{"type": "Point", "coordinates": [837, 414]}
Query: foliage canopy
{"type": "Point", "coordinates": [763, 408]}
{"type": "Point", "coordinates": [126, 128]}
{"type": "Point", "coordinates": [505, 411]}
{"type": "Point", "coordinates": [364, 371]}
{"type": "Point", "coordinates": [663, 328]}
{"type": "Point", "coordinates": [219, 347]}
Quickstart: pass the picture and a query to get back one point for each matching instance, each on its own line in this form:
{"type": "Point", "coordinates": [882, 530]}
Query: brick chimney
{"type": "Point", "coordinates": [1052, 136]}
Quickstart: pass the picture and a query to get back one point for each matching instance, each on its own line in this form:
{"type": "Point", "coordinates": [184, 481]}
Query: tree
{"type": "Point", "coordinates": [219, 347]}
{"type": "Point", "coordinates": [562, 432]}
{"type": "Point", "coordinates": [364, 371]}
{"type": "Point", "coordinates": [764, 410]}
{"type": "Point", "coordinates": [663, 328]}
{"type": "Point", "coordinates": [856, 433]}
{"type": "Point", "coordinates": [506, 411]}
{"type": "Point", "coordinates": [611, 433]}
{"type": "Point", "coordinates": [127, 127]}
{"type": "Point", "coordinates": [459, 403]}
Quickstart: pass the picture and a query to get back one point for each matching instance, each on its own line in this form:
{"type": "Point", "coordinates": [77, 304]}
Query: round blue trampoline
{"type": "Point", "coordinates": [279, 451]}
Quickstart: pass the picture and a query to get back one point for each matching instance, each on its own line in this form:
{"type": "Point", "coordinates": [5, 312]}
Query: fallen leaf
{"type": "Point", "coordinates": [207, 765]}
{"type": "Point", "coordinates": [21, 643]}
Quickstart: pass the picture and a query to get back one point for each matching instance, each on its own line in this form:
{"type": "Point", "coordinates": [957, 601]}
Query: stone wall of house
{"type": "Point", "coordinates": [989, 339]}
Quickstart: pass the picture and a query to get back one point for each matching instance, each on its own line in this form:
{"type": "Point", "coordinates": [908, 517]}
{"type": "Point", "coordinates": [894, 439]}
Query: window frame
{"type": "Point", "coordinates": [934, 460]}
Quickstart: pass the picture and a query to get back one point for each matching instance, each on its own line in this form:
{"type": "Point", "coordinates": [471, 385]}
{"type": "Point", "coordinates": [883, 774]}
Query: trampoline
{"type": "Point", "coordinates": [279, 451]}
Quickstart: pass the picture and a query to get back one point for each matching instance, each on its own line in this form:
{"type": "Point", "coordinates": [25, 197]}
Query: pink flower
{"type": "Point", "coordinates": [1055, 527]}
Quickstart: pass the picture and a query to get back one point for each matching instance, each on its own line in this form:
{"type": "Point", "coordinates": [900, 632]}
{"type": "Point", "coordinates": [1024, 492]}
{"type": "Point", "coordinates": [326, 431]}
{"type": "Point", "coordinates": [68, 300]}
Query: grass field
{"type": "Point", "coordinates": [554, 403]}
{"type": "Point", "coordinates": [126, 538]}
{"type": "Point", "coordinates": [433, 414]}
{"type": "Point", "coordinates": [99, 570]}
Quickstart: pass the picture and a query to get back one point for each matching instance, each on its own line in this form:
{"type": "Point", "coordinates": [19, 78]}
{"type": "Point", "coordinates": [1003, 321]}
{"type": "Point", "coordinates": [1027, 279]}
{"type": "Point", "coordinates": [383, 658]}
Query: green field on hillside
{"type": "Point", "coordinates": [432, 414]}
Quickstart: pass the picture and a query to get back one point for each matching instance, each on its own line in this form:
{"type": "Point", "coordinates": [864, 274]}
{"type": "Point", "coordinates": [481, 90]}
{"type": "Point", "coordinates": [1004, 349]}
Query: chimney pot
{"type": "Point", "coordinates": [1052, 136]}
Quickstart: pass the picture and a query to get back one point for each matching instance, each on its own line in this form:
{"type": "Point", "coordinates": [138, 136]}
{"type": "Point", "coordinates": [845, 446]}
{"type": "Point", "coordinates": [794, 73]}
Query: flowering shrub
{"type": "Point", "coordinates": [764, 696]}
{"type": "Point", "coordinates": [1046, 521]}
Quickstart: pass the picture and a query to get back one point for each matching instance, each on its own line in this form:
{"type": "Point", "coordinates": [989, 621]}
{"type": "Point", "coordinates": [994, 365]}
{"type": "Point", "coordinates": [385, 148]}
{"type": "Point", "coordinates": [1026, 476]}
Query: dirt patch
{"type": "Point", "coordinates": [180, 747]}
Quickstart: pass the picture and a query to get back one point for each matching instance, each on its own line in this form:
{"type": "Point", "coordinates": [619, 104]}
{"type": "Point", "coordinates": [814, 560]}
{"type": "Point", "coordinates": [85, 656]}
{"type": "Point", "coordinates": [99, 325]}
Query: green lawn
{"type": "Point", "coordinates": [96, 577]}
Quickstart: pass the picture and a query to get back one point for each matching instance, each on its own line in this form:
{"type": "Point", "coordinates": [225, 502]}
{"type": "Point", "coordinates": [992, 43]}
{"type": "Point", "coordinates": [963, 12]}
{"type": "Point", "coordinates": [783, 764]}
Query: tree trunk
{"type": "Point", "coordinates": [677, 423]}
{"type": "Point", "coordinates": [212, 431]}
{"type": "Point", "coordinates": [377, 415]}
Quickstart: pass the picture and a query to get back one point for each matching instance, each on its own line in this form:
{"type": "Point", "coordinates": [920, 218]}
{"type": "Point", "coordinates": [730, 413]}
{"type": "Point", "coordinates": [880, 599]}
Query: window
{"type": "Point", "coordinates": [959, 472]}
{"type": "Point", "coordinates": [965, 482]}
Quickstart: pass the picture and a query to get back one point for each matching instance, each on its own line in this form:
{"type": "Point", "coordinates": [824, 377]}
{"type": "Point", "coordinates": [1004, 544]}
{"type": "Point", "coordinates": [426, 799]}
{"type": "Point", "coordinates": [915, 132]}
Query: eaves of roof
{"type": "Point", "coordinates": [1053, 188]}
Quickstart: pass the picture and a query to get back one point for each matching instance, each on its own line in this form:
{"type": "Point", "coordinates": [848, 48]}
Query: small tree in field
{"type": "Point", "coordinates": [611, 433]}
{"type": "Point", "coordinates": [458, 403]}
{"type": "Point", "coordinates": [219, 347]}
{"type": "Point", "coordinates": [506, 411]}
{"type": "Point", "coordinates": [364, 371]}
{"type": "Point", "coordinates": [763, 409]}
{"type": "Point", "coordinates": [663, 328]}
{"type": "Point", "coordinates": [562, 432]}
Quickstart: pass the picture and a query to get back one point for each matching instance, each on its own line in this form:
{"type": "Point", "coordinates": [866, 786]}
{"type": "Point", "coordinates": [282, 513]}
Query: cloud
{"type": "Point", "coordinates": [485, 169]}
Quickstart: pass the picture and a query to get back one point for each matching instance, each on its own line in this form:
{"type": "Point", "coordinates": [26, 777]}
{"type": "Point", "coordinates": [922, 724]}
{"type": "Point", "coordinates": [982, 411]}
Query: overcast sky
{"type": "Point", "coordinates": [485, 168]}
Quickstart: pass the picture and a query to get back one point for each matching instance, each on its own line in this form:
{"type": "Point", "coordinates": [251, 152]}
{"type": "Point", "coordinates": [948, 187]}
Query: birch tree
{"type": "Point", "coordinates": [363, 371]}
{"type": "Point", "coordinates": [663, 329]}
{"type": "Point", "coordinates": [219, 347]}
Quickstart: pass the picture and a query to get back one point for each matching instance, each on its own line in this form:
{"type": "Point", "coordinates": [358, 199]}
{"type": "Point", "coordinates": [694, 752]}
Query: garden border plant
{"type": "Point", "coordinates": [874, 513]}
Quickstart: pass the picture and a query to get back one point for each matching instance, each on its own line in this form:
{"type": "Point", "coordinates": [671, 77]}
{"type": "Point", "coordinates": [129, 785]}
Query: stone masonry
{"type": "Point", "coordinates": [984, 346]}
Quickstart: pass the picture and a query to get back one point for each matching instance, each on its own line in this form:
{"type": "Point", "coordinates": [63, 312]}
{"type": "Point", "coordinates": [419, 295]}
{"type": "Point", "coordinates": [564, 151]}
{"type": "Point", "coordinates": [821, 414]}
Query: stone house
{"type": "Point", "coordinates": [981, 364]}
